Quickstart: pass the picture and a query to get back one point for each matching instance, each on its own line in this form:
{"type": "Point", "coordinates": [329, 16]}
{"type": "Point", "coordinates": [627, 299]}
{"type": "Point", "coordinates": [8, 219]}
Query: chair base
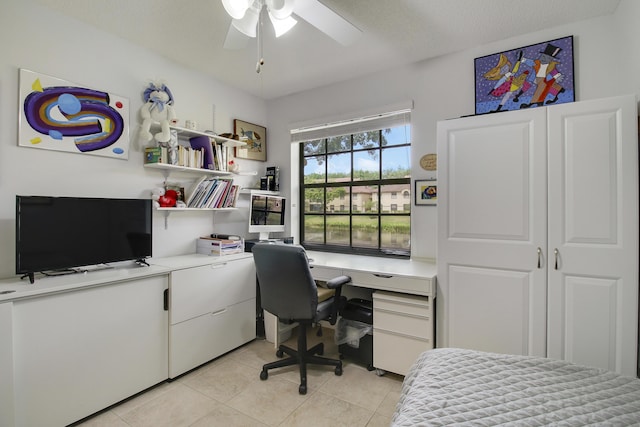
{"type": "Point", "coordinates": [302, 356]}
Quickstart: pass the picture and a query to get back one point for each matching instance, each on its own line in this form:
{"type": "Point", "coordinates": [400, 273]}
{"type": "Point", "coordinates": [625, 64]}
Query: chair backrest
{"type": "Point", "coordinates": [287, 288]}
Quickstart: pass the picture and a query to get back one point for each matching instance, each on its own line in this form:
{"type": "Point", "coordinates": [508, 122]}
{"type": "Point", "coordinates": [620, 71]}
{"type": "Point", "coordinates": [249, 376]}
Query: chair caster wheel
{"type": "Point", "coordinates": [280, 353]}
{"type": "Point", "coordinates": [338, 370]}
{"type": "Point", "coordinates": [264, 375]}
{"type": "Point", "coordinates": [302, 389]}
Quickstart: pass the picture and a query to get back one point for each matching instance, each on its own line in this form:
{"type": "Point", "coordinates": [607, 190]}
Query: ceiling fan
{"type": "Point", "coordinates": [248, 15]}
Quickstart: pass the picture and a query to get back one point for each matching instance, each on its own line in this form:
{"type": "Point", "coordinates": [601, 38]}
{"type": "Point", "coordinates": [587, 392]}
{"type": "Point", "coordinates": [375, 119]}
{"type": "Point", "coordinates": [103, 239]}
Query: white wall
{"type": "Point", "coordinates": [606, 64]}
{"type": "Point", "coordinates": [44, 41]}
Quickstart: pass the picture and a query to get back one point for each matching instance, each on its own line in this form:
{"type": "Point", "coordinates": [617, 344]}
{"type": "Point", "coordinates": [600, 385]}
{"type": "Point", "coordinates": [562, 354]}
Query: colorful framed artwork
{"type": "Point", "coordinates": [426, 192]}
{"type": "Point", "coordinates": [256, 139]}
{"type": "Point", "coordinates": [63, 116]}
{"type": "Point", "coordinates": [530, 76]}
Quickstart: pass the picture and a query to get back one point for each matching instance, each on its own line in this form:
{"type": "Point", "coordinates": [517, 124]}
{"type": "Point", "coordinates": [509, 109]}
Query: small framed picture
{"type": "Point", "coordinates": [426, 192]}
{"type": "Point", "coordinates": [256, 138]}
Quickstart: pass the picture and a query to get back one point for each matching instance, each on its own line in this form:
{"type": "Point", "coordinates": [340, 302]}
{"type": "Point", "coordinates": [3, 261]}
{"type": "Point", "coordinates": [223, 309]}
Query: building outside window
{"type": "Point", "coordinates": [368, 170]}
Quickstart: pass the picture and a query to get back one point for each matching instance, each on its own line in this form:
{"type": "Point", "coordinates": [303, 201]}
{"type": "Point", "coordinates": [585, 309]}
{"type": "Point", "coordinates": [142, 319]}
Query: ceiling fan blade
{"type": "Point", "coordinates": [327, 21]}
{"type": "Point", "coordinates": [235, 39]}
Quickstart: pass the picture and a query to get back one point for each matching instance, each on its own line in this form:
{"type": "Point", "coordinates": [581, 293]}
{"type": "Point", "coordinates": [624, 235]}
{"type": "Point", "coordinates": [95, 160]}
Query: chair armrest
{"type": "Point", "coordinates": [337, 282]}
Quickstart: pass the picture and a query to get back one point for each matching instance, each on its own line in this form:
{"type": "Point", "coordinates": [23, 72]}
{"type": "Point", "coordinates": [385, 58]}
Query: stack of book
{"type": "Point", "coordinates": [184, 156]}
{"type": "Point", "coordinates": [213, 193]}
{"type": "Point", "coordinates": [219, 246]}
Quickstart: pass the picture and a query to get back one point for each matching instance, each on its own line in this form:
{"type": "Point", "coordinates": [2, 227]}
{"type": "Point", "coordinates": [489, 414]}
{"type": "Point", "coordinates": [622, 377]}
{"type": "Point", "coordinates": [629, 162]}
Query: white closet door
{"type": "Point", "coordinates": [491, 222]}
{"type": "Point", "coordinates": [593, 225]}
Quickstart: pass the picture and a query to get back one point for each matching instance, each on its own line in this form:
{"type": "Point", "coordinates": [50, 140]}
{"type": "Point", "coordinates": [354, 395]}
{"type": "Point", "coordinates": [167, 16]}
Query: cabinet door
{"type": "Point", "coordinates": [78, 352]}
{"type": "Point", "coordinates": [491, 226]}
{"type": "Point", "coordinates": [6, 364]}
{"type": "Point", "coordinates": [593, 226]}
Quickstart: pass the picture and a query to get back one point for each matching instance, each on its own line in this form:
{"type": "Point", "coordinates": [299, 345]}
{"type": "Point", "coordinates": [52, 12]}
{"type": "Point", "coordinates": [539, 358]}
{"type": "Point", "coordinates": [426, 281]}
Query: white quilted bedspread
{"type": "Point", "coordinates": [452, 386]}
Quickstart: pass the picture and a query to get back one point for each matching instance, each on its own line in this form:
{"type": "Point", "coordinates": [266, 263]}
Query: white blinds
{"type": "Point", "coordinates": [346, 127]}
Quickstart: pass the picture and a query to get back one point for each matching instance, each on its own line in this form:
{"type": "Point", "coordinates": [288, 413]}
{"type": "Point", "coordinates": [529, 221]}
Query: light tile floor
{"type": "Point", "coordinates": [228, 392]}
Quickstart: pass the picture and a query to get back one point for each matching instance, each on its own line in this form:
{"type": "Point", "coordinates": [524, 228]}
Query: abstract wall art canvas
{"type": "Point", "coordinates": [59, 115]}
{"type": "Point", "coordinates": [530, 76]}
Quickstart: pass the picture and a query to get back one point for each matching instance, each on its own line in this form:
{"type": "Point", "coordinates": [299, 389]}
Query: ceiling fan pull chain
{"type": "Point", "coordinates": [260, 61]}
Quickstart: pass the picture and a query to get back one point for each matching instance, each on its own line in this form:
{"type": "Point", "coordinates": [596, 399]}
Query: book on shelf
{"type": "Point", "coordinates": [220, 203]}
{"type": "Point", "coordinates": [219, 160]}
{"type": "Point", "coordinates": [211, 184]}
{"type": "Point", "coordinates": [210, 192]}
{"type": "Point", "coordinates": [222, 194]}
{"type": "Point", "coordinates": [153, 155]}
{"type": "Point", "coordinates": [232, 197]}
{"type": "Point", "coordinates": [195, 190]}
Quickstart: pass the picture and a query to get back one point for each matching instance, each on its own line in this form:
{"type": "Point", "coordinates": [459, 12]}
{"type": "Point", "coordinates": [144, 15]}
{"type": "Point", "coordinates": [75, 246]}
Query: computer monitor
{"type": "Point", "coordinates": [266, 214]}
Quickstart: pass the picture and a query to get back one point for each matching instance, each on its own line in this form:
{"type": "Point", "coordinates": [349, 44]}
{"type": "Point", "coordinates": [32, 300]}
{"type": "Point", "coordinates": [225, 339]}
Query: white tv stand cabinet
{"type": "Point", "coordinates": [73, 345]}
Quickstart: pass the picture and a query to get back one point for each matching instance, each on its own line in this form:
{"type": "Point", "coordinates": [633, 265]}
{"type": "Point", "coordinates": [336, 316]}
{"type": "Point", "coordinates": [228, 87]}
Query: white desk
{"type": "Point", "coordinates": [403, 303]}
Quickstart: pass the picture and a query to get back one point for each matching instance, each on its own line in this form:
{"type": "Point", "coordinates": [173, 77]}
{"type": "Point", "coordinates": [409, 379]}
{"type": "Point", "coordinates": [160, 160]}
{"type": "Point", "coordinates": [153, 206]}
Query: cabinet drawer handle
{"type": "Point", "coordinates": [215, 313]}
{"type": "Point", "coordinates": [214, 266]}
{"type": "Point", "coordinates": [556, 253]}
{"type": "Point", "coordinates": [384, 276]}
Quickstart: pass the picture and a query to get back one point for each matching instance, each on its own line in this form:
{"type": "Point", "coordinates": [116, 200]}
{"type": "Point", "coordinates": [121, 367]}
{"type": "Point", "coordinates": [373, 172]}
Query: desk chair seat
{"type": "Point", "coordinates": [289, 292]}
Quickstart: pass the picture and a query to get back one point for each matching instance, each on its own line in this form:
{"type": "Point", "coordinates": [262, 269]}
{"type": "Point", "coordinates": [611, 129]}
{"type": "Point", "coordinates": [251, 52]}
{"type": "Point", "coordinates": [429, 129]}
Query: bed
{"type": "Point", "coordinates": [454, 386]}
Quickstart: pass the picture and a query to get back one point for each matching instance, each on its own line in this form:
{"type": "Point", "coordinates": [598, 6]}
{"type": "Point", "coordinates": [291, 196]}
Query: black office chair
{"type": "Point", "coordinates": [288, 291]}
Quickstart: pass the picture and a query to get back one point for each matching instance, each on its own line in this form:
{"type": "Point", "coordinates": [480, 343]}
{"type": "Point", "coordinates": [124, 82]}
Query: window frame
{"type": "Point", "coordinates": [380, 183]}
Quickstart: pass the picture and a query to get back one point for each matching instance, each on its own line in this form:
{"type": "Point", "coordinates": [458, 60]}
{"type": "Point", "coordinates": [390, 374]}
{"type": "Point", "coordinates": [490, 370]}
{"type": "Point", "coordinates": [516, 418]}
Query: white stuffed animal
{"type": "Point", "coordinates": [158, 108]}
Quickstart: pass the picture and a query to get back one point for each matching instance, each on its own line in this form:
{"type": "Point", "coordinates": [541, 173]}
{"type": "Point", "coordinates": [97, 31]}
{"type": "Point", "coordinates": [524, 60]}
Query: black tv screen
{"type": "Point", "coordinates": [56, 233]}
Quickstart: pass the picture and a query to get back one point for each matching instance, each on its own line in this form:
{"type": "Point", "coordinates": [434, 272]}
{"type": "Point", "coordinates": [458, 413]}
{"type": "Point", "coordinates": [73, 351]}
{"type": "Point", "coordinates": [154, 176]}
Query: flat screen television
{"type": "Point", "coordinates": [62, 233]}
{"type": "Point", "coordinates": [266, 214]}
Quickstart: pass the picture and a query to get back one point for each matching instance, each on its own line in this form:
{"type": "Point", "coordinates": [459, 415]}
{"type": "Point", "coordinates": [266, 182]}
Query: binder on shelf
{"type": "Point", "coordinates": [203, 146]}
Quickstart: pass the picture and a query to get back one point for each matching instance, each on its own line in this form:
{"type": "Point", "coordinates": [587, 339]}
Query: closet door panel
{"type": "Point", "coordinates": [593, 233]}
{"type": "Point", "coordinates": [589, 335]}
{"type": "Point", "coordinates": [492, 227]}
{"type": "Point", "coordinates": [499, 324]}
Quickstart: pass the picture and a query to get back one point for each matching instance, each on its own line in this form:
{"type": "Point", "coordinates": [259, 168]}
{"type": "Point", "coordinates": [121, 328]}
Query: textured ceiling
{"type": "Point", "coordinates": [395, 32]}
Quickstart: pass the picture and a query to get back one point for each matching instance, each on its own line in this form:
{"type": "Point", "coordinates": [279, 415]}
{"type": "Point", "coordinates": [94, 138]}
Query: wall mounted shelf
{"type": "Point", "coordinates": [167, 212]}
{"type": "Point", "coordinates": [167, 169]}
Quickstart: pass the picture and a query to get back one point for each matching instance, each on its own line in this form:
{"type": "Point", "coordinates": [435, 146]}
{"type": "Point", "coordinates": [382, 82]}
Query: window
{"type": "Point", "coordinates": [369, 170]}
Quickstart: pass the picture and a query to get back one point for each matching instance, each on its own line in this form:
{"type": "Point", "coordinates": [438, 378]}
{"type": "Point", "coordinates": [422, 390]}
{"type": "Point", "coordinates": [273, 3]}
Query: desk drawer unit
{"type": "Point", "coordinates": [390, 282]}
{"type": "Point", "coordinates": [402, 329]}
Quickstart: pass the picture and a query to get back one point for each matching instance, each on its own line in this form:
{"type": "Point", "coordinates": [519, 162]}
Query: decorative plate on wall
{"type": "Point", "coordinates": [429, 162]}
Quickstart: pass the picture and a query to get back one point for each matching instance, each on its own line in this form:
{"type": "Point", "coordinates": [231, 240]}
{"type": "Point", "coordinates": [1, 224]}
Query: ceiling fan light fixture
{"type": "Point", "coordinates": [280, 9]}
{"type": "Point", "coordinates": [281, 26]}
{"type": "Point", "coordinates": [248, 24]}
{"type": "Point", "coordinates": [236, 8]}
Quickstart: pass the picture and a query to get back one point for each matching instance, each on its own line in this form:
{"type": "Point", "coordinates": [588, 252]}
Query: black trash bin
{"type": "Point", "coordinates": [354, 331]}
